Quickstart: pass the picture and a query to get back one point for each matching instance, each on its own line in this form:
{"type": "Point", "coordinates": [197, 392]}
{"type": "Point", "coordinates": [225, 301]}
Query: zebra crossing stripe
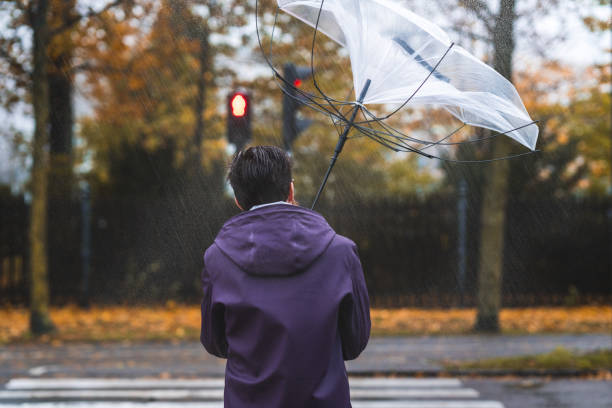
{"type": "Point", "coordinates": [146, 395]}
{"type": "Point", "coordinates": [120, 383]}
{"type": "Point", "coordinates": [211, 394]}
{"type": "Point", "coordinates": [208, 393]}
{"type": "Point", "coordinates": [110, 383]}
{"type": "Point", "coordinates": [427, 404]}
{"type": "Point", "coordinates": [404, 382]}
{"type": "Point", "coordinates": [219, 404]}
{"type": "Point", "coordinates": [414, 393]}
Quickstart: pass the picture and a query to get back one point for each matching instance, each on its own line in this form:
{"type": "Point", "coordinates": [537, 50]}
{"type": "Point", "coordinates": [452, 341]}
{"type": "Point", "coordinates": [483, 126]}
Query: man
{"type": "Point", "coordinates": [284, 296]}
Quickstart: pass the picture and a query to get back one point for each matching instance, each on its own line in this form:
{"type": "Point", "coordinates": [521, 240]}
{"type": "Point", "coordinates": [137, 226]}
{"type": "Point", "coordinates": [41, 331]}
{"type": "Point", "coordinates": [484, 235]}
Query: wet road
{"type": "Point", "coordinates": [365, 393]}
{"type": "Point", "coordinates": [390, 354]}
{"type": "Point", "coordinates": [426, 352]}
{"type": "Point", "coordinates": [545, 393]}
{"type": "Point", "coordinates": [189, 359]}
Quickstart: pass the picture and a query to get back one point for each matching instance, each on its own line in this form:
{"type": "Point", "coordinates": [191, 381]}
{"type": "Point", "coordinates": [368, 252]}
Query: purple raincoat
{"type": "Point", "coordinates": [285, 302]}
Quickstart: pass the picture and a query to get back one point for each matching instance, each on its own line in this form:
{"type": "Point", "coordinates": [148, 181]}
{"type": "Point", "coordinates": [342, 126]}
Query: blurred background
{"type": "Point", "coordinates": [115, 137]}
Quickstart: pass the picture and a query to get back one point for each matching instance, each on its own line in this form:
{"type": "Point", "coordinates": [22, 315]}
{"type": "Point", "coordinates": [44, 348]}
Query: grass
{"type": "Point", "coordinates": [558, 359]}
{"type": "Point", "coordinates": [182, 322]}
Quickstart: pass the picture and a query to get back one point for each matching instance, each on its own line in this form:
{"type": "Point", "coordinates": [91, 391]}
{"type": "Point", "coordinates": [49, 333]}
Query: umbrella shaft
{"type": "Point", "coordinates": [341, 141]}
{"type": "Point", "coordinates": [349, 125]}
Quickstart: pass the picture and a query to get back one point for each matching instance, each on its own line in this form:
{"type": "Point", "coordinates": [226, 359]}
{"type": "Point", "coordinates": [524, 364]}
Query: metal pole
{"type": "Point", "coordinates": [461, 238]}
{"type": "Point", "coordinates": [609, 213]}
{"type": "Point", "coordinates": [341, 141]}
{"type": "Point", "coordinates": [85, 243]}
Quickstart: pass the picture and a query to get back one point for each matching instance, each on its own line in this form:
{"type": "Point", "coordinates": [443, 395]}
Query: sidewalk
{"type": "Point", "coordinates": [189, 359]}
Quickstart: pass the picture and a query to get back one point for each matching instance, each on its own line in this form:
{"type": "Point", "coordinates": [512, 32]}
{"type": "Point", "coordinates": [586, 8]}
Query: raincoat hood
{"type": "Point", "coordinates": [276, 240]}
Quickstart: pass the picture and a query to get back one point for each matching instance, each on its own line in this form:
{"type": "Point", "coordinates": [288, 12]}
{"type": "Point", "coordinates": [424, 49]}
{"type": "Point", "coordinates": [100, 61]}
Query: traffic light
{"type": "Point", "coordinates": [292, 125]}
{"type": "Point", "coordinates": [239, 118]}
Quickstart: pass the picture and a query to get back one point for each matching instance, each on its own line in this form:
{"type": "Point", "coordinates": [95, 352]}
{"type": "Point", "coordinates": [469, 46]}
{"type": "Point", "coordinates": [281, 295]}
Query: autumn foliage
{"type": "Point", "coordinates": [180, 323]}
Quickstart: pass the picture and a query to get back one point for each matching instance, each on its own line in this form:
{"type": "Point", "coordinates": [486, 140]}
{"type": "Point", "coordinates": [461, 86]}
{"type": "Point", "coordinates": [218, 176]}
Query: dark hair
{"type": "Point", "coordinates": [259, 175]}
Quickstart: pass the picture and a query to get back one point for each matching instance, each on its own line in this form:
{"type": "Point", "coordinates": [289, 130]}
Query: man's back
{"type": "Point", "coordinates": [285, 302]}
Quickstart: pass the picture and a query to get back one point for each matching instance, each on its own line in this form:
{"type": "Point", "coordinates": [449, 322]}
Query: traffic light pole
{"type": "Point", "coordinates": [341, 141]}
{"type": "Point", "coordinates": [292, 125]}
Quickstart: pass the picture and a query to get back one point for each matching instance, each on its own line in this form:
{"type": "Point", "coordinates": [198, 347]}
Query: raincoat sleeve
{"type": "Point", "coordinates": [212, 334]}
{"type": "Point", "coordinates": [354, 319]}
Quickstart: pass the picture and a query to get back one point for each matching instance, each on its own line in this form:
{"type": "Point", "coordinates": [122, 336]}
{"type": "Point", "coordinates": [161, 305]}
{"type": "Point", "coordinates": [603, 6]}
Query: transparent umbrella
{"type": "Point", "coordinates": [398, 60]}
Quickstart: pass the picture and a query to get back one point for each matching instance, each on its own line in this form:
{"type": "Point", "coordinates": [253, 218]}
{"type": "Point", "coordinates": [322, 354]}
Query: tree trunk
{"type": "Point", "coordinates": [493, 213]}
{"type": "Point", "coordinates": [40, 321]}
{"type": "Point", "coordinates": [201, 98]}
{"type": "Point", "coordinates": [63, 241]}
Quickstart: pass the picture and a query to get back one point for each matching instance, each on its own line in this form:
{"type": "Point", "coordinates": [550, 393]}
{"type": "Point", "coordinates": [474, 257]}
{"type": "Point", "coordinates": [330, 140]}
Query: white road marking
{"type": "Point", "coordinates": [126, 383]}
{"type": "Point", "coordinates": [404, 382]}
{"type": "Point", "coordinates": [110, 383]}
{"type": "Point", "coordinates": [208, 393]}
{"type": "Point", "coordinates": [38, 371]}
{"type": "Point", "coordinates": [219, 404]}
{"type": "Point", "coordinates": [427, 404]}
{"type": "Point", "coordinates": [413, 393]}
{"type": "Point", "coordinates": [147, 395]}
{"type": "Point", "coordinates": [174, 394]}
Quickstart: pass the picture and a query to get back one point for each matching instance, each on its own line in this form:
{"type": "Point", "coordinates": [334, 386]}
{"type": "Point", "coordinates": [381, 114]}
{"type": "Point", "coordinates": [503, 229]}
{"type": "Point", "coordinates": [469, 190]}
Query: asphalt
{"type": "Point", "coordinates": [384, 355]}
{"type": "Point", "coordinates": [413, 354]}
{"type": "Point", "coordinates": [544, 392]}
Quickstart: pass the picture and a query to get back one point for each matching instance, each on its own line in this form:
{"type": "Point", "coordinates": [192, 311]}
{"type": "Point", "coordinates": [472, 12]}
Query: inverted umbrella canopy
{"type": "Point", "coordinates": [402, 59]}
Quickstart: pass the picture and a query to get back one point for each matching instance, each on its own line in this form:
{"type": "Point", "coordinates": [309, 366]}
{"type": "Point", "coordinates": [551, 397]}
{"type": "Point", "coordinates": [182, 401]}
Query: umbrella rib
{"type": "Point", "coordinates": [509, 157]}
{"type": "Point", "coordinates": [440, 142]}
{"type": "Point", "coordinates": [321, 108]}
{"type": "Point", "coordinates": [272, 34]}
{"type": "Point", "coordinates": [394, 132]}
{"type": "Point", "coordinates": [312, 71]}
{"type": "Point", "coordinates": [306, 95]}
{"type": "Point", "coordinates": [377, 137]}
{"type": "Point", "coordinates": [490, 137]}
{"type": "Point", "coordinates": [341, 141]}
{"type": "Point", "coordinates": [400, 146]}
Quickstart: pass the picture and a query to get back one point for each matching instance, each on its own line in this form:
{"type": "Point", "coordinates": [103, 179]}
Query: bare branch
{"type": "Point", "coordinates": [471, 35]}
{"type": "Point", "coordinates": [480, 10]}
{"type": "Point", "coordinates": [71, 22]}
{"type": "Point", "coordinates": [19, 81]}
{"type": "Point", "coordinates": [21, 5]}
{"type": "Point", "coordinates": [89, 67]}
{"type": "Point", "coordinates": [12, 62]}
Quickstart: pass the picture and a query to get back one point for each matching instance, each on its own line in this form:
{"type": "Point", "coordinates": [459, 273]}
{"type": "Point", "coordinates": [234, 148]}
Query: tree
{"type": "Point", "coordinates": [30, 69]}
{"type": "Point", "coordinates": [155, 138]}
{"type": "Point", "coordinates": [574, 129]}
{"type": "Point", "coordinates": [496, 30]}
{"type": "Point", "coordinates": [29, 75]}
{"type": "Point", "coordinates": [596, 129]}
{"type": "Point", "coordinates": [165, 79]}
{"type": "Point", "coordinates": [495, 186]}
{"type": "Point", "coordinates": [40, 322]}
{"type": "Point", "coordinates": [62, 225]}
{"type": "Point", "coordinates": [499, 30]}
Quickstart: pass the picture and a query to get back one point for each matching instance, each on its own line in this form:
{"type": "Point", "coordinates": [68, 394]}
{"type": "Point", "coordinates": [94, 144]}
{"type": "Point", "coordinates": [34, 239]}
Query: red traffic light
{"type": "Point", "coordinates": [239, 117]}
{"type": "Point", "coordinates": [297, 82]}
{"type": "Point", "coordinates": [238, 105]}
